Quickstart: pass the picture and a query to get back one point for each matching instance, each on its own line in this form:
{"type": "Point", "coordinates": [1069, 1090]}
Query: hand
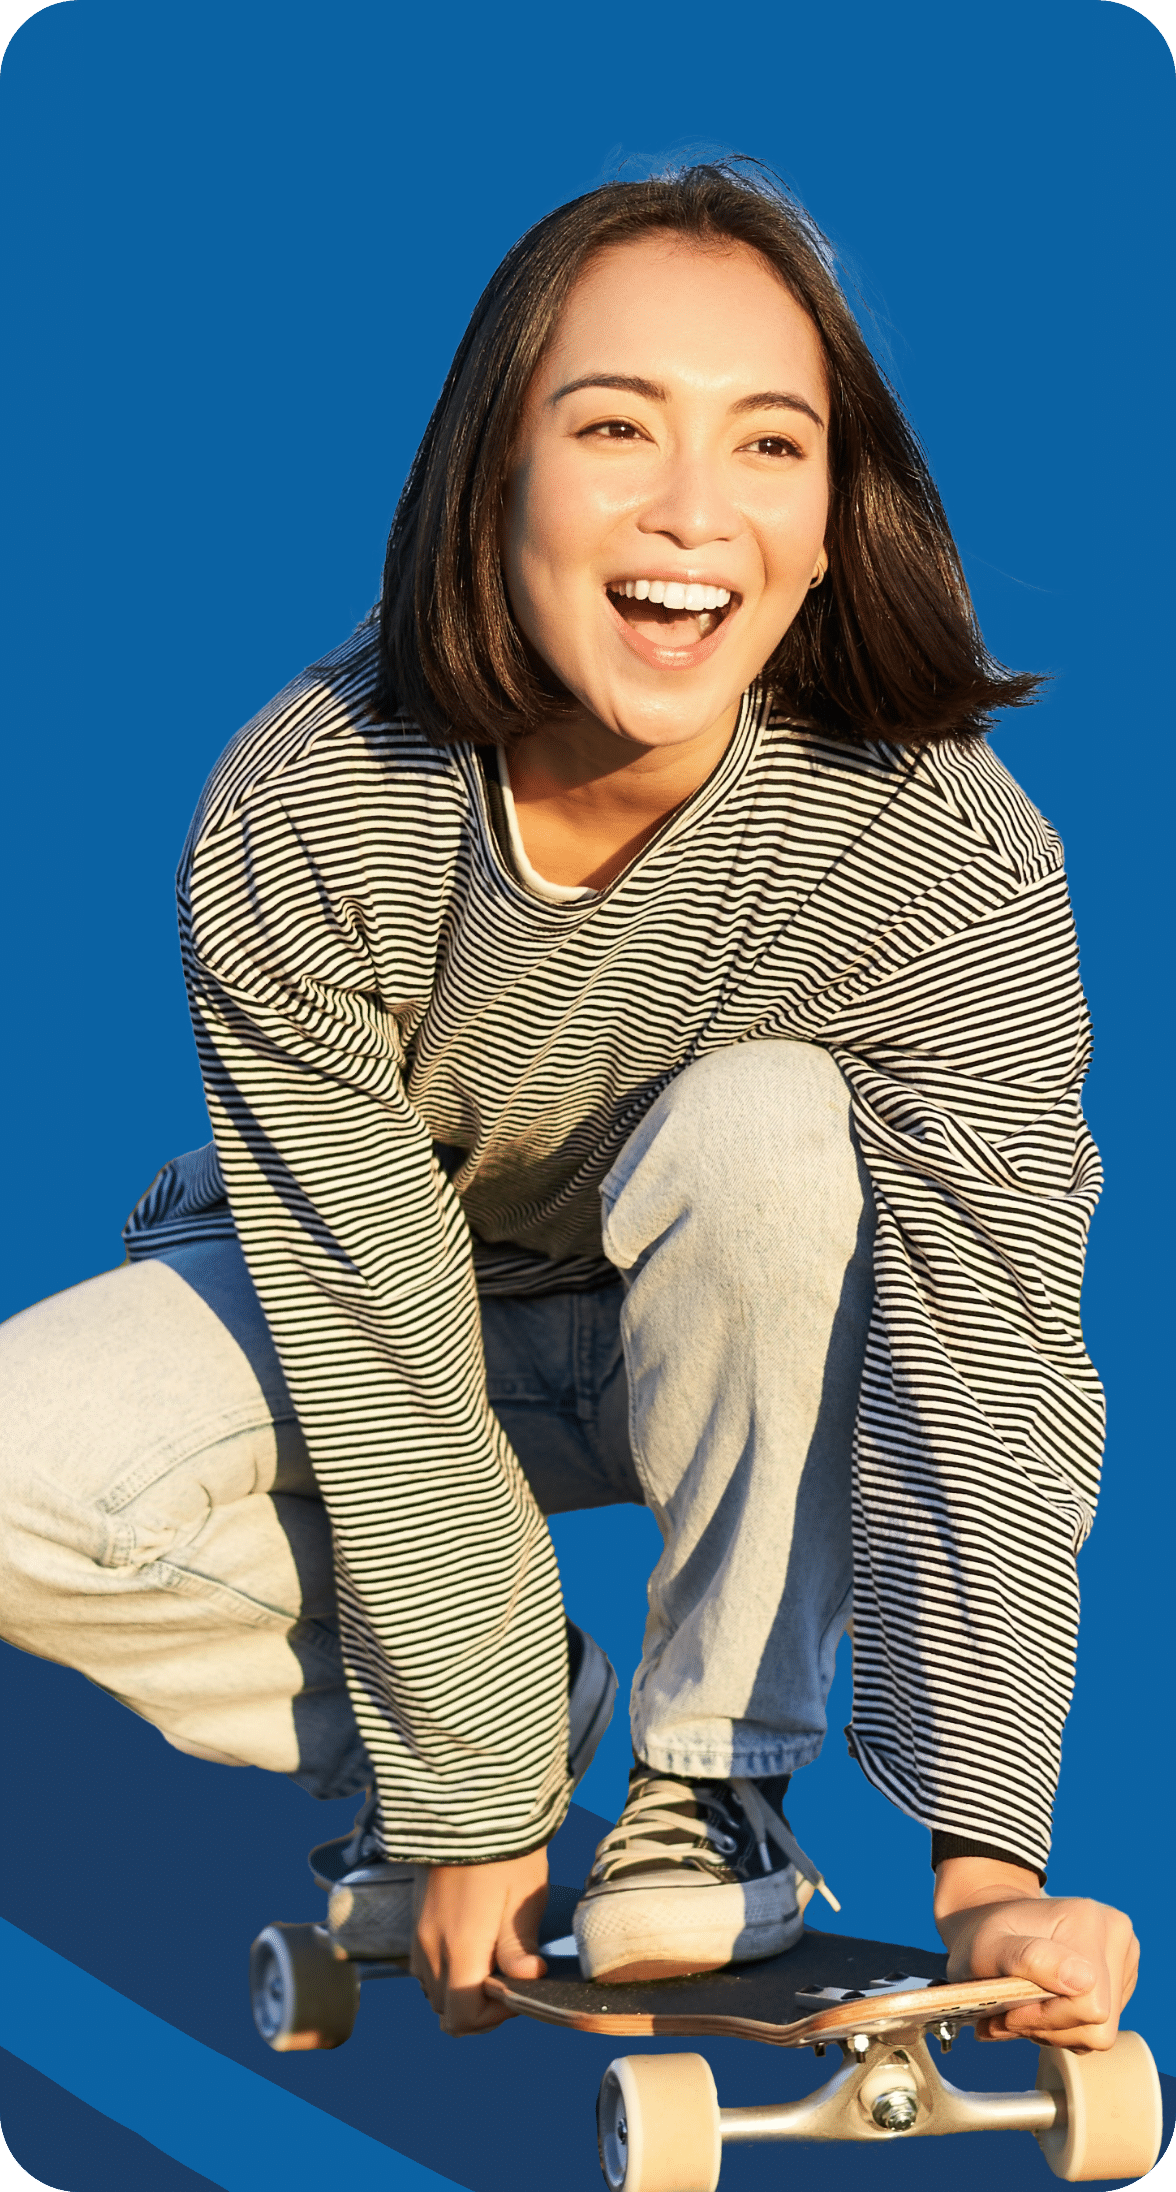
{"type": "Point", "coordinates": [996, 1923]}
{"type": "Point", "coordinates": [473, 1918]}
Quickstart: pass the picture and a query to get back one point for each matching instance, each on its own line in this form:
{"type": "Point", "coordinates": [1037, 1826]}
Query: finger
{"type": "Point", "coordinates": [428, 1975]}
{"type": "Point", "coordinates": [1060, 2023]}
{"type": "Point", "coordinates": [522, 1924]}
{"type": "Point", "coordinates": [516, 1963]}
{"type": "Point", "coordinates": [1049, 1963]}
{"type": "Point", "coordinates": [468, 2010]}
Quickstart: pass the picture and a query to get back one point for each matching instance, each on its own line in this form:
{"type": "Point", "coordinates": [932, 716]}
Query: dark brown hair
{"type": "Point", "coordinates": [888, 647]}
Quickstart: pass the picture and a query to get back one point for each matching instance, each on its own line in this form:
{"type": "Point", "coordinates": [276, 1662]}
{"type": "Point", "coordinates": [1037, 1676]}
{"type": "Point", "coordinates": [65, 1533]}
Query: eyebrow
{"type": "Point", "coordinates": [777, 399]}
{"type": "Point", "coordinates": [632, 384]}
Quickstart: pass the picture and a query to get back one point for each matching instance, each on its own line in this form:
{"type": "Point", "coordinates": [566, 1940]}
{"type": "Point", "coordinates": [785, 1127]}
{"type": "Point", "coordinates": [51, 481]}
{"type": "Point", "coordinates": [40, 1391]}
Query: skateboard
{"type": "Point", "coordinates": [659, 2124]}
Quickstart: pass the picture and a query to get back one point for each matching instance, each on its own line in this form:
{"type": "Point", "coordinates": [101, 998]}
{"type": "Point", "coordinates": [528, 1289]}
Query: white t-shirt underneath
{"type": "Point", "coordinates": [556, 894]}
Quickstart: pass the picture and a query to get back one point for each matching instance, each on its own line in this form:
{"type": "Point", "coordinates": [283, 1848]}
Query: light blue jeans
{"type": "Point", "coordinates": [162, 1529]}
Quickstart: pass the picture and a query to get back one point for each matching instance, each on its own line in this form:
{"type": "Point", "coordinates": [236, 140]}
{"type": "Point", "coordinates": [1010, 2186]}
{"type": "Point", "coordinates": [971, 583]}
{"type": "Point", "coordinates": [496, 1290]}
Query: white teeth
{"type": "Point", "coordinates": [671, 593]}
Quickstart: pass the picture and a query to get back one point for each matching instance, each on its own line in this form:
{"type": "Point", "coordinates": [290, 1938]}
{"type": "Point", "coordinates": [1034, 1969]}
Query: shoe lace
{"type": "Point", "coordinates": [655, 1815]}
{"type": "Point", "coordinates": [699, 1837]}
{"type": "Point", "coordinates": [765, 1823]}
{"type": "Point", "coordinates": [363, 1841]}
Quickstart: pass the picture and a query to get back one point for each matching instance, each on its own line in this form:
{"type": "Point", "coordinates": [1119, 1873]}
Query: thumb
{"type": "Point", "coordinates": [1048, 1963]}
{"type": "Point", "coordinates": [518, 1940]}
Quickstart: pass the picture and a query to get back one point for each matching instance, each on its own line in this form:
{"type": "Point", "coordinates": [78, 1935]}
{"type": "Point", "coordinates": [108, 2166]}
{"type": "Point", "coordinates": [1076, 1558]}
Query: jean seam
{"type": "Point", "coordinates": [171, 1575]}
{"type": "Point", "coordinates": [165, 1455]}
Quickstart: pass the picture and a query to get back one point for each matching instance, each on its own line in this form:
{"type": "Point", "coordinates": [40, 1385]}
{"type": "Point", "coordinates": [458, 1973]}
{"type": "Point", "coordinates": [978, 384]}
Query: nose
{"type": "Point", "coordinates": [690, 505]}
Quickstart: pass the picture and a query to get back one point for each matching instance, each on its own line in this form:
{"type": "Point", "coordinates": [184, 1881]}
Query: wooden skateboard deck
{"type": "Point", "coordinates": [659, 2122]}
{"type": "Point", "coordinates": [828, 1987]}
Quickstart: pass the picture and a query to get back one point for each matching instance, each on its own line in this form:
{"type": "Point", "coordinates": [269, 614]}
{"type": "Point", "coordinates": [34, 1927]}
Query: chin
{"type": "Point", "coordinates": [647, 726]}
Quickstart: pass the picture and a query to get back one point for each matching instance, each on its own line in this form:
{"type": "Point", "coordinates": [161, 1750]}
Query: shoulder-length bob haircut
{"type": "Point", "coordinates": [887, 648]}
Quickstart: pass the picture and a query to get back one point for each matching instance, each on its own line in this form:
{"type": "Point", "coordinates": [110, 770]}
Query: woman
{"type": "Point", "coordinates": [641, 1027]}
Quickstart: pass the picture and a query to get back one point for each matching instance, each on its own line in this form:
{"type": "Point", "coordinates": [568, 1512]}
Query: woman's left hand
{"type": "Point", "coordinates": [1084, 1952]}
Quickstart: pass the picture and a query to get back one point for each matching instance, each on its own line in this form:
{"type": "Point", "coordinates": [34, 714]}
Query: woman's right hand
{"type": "Point", "coordinates": [475, 1919]}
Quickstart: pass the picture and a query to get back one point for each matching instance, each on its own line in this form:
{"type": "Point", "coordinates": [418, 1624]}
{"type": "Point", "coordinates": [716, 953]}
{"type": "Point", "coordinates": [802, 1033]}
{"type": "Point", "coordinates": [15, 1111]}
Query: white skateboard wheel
{"type": "Point", "coordinates": [1114, 2111]}
{"type": "Point", "coordinates": [658, 2124]}
{"type": "Point", "coordinates": [303, 1994]}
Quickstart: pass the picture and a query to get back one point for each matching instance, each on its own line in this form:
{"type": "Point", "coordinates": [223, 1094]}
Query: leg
{"type": "Point", "coordinates": [742, 1219]}
{"type": "Point", "coordinates": [162, 1530]}
{"type": "Point", "coordinates": [555, 1375]}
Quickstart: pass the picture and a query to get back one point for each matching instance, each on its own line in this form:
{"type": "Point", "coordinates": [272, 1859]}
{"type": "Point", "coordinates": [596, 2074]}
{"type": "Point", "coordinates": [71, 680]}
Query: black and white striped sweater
{"type": "Point", "coordinates": [368, 979]}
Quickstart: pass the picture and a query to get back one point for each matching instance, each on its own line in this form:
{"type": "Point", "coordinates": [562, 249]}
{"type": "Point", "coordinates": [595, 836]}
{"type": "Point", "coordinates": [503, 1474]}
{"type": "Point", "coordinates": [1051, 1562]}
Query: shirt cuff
{"type": "Point", "coordinates": [958, 1845]}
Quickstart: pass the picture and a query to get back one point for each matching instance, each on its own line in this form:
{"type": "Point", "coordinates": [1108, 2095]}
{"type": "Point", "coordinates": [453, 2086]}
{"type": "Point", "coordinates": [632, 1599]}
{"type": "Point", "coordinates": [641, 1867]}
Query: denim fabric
{"type": "Point", "coordinates": [164, 1534]}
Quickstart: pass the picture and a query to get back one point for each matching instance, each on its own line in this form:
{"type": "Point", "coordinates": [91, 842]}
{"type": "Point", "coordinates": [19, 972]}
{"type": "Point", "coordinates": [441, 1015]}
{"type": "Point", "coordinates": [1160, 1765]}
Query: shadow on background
{"type": "Point", "coordinates": [159, 1878]}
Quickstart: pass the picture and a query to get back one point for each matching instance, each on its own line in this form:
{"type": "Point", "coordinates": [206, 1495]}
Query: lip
{"type": "Point", "coordinates": [673, 658]}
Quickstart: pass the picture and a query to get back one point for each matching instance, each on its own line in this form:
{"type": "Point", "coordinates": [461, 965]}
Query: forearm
{"type": "Point", "coordinates": [450, 1612]}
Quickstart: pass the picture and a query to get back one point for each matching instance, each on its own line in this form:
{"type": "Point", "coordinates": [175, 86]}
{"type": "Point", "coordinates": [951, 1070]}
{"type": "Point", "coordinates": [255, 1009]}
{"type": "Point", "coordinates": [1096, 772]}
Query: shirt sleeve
{"type": "Point", "coordinates": [450, 1613]}
{"type": "Point", "coordinates": [980, 1420]}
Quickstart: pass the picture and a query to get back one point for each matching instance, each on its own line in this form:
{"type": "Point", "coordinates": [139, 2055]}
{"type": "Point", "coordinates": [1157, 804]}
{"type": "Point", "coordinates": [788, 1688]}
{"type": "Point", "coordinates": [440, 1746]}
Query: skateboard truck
{"type": "Point", "coordinates": [660, 2127]}
{"type": "Point", "coordinates": [882, 2089]}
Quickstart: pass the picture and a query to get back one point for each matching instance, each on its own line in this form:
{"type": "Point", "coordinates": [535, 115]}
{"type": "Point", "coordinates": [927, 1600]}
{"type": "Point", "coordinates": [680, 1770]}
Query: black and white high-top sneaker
{"type": "Point", "coordinates": [695, 1875]}
{"type": "Point", "coordinates": [372, 1897]}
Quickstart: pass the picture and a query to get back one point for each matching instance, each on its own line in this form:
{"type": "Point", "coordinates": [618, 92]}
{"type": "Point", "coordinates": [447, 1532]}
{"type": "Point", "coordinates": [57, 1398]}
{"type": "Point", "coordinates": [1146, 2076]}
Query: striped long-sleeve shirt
{"type": "Point", "coordinates": [369, 979]}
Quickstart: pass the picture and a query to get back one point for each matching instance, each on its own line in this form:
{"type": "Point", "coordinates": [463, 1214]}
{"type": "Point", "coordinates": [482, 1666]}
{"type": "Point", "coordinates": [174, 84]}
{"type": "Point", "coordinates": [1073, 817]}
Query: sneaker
{"type": "Point", "coordinates": [370, 1910]}
{"type": "Point", "coordinates": [695, 1875]}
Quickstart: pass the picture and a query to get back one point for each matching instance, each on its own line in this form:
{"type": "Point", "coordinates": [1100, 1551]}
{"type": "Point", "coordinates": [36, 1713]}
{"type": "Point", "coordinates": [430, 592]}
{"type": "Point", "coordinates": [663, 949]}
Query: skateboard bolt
{"type": "Point", "coordinates": [622, 2132]}
{"type": "Point", "coordinates": [895, 2111]}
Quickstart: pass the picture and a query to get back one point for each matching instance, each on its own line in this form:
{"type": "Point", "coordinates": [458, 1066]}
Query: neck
{"type": "Point", "coordinates": [587, 800]}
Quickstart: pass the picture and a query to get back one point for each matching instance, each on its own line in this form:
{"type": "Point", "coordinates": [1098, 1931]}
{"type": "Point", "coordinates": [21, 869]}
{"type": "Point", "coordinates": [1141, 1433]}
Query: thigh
{"type": "Point", "coordinates": [145, 1440]}
{"type": "Point", "coordinates": [555, 1375]}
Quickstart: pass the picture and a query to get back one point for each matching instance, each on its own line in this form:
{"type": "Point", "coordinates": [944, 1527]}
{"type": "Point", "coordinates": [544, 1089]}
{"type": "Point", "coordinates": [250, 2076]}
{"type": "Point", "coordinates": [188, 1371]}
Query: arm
{"type": "Point", "coordinates": [980, 1417]}
{"type": "Point", "coordinates": [449, 1603]}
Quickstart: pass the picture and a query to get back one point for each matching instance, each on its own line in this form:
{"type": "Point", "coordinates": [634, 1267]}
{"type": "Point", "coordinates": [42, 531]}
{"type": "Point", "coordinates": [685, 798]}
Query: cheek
{"type": "Point", "coordinates": [794, 538]}
{"type": "Point", "coordinates": [541, 520]}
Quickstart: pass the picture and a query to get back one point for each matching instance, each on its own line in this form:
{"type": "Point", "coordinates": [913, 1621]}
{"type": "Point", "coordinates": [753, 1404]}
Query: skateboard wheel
{"type": "Point", "coordinates": [1114, 2111]}
{"type": "Point", "coordinates": [658, 2125]}
{"type": "Point", "coordinates": [303, 1995]}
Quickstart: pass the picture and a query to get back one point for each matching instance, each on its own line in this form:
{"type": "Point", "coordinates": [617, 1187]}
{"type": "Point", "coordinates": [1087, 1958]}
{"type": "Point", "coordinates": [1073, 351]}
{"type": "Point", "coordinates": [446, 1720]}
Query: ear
{"type": "Point", "coordinates": [819, 573]}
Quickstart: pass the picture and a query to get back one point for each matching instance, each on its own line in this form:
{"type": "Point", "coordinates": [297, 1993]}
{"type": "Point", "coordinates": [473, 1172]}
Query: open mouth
{"type": "Point", "coordinates": [668, 612]}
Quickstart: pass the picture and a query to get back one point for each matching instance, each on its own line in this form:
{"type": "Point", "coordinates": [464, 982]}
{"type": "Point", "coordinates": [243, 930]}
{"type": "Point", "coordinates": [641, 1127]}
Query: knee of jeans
{"type": "Point", "coordinates": [749, 1138]}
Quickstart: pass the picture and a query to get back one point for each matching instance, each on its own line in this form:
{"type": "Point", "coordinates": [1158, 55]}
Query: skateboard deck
{"type": "Point", "coordinates": [829, 1986]}
{"type": "Point", "coordinates": [660, 2126]}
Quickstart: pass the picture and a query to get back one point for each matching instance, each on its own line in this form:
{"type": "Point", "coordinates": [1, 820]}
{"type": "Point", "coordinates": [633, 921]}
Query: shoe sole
{"type": "Point", "coordinates": [374, 1918]}
{"type": "Point", "coordinates": [674, 1932]}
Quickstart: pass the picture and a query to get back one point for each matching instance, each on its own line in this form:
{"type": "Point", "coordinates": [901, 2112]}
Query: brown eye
{"type": "Point", "coordinates": [610, 430]}
{"type": "Point", "coordinates": [774, 445]}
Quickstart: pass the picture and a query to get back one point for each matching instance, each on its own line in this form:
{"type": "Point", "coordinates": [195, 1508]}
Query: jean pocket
{"type": "Point", "coordinates": [159, 1508]}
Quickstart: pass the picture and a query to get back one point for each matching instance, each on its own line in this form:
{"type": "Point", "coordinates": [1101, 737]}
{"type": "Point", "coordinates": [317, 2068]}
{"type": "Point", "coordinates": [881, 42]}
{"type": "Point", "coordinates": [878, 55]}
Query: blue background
{"type": "Point", "coordinates": [242, 242]}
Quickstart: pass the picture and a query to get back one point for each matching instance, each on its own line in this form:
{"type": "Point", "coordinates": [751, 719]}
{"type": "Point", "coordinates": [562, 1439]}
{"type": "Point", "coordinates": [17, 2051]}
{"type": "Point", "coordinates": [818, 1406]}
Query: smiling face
{"type": "Point", "coordinates": [666, 508]}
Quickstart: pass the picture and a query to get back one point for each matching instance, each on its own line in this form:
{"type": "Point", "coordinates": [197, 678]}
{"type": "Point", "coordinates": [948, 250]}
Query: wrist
{"type": "Point", "coordinates": [964, 1884]}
